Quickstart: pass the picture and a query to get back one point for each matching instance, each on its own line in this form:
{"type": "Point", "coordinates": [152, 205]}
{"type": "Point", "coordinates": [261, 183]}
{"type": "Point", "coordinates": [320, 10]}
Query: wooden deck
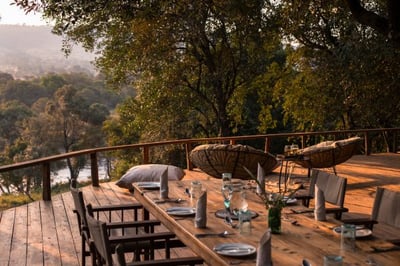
{"type": "Point", "coordinates": [46, 233]}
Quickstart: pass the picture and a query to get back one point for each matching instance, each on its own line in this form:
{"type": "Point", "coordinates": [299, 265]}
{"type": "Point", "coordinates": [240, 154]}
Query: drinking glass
{"type": "Point", "coordinates": [294, 149]}
{"type": "Point", "coordinates": [348, 237]}
{"type": "Point", "coordinates": [195, 192]}
{"type": "Point", "coordinates": [333, 260]}
{"type": "Point", "coordinates": [286, 150]}
{"type": "Point", "coordinates": [227, 192]}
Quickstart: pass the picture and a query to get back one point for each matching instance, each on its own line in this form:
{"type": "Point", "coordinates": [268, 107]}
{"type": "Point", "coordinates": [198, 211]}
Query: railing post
{"type": "Point", "coordinates": [188, 149]}
{"type": "Point", "coordinates": [94, 168]}
{"type": "Point", "coordinates": [145, 154]}
{"type": "Point", "coordinates": [366, 143]}
{"type": "Point", "coordinates": [266, 145]}
{"type": "Point", "coordinates": [394, 148]}
{"type": "Point", "coordinates": [46, 193]}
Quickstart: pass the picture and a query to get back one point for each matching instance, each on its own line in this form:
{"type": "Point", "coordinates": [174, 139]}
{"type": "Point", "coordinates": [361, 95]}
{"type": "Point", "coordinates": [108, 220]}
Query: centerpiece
{"type": "Point", "coordinates": [274, 202]}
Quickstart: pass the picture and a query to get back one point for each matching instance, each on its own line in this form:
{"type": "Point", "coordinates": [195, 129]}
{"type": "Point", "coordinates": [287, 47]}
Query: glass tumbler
{"type": "Point", "coordinates": [195, 192]}
{"type": "Point", "coordinates": [348, 237]}
{"type": "Point", "coordinates": [333, 260]}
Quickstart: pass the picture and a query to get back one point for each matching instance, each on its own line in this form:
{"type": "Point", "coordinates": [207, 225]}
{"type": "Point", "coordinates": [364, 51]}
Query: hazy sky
{"type": "Point", "coordinates": [14, 15]}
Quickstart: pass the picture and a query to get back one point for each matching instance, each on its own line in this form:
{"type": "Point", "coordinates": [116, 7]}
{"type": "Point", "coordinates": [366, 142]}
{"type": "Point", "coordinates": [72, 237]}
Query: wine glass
{"type": "Point", "coordinates": [227, 192]}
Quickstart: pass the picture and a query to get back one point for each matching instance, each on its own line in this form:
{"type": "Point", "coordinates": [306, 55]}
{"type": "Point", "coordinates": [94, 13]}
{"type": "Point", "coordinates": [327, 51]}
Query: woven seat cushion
{"type": "Point", "coordinates": [215, 159]}
{"type": "Point", "coordinates": [329, 153]}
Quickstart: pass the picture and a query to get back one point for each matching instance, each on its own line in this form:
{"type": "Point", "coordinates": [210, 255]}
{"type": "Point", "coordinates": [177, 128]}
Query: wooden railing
{"type": "Point", "coordinates": [189, 143]}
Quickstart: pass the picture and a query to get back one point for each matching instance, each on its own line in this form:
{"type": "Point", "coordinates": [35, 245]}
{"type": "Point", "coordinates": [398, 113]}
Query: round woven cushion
{"type": "Point", "coordinates": [215, 159]}
{"type": "Point", "coordinates": [328, 154]}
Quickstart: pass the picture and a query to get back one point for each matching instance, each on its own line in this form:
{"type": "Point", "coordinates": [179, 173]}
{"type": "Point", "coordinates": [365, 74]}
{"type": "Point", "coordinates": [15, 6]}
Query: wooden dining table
{"type": "Point", "coordinates": [302, 237]}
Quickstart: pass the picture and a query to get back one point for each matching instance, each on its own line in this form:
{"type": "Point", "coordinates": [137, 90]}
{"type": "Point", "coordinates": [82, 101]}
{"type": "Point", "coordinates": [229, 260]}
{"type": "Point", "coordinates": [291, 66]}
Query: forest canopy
{"type": "Point", "coordinates": [218, 68]}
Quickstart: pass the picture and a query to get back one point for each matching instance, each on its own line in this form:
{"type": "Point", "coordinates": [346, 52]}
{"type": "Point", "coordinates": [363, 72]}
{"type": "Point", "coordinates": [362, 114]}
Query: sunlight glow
{"type": "Point", "coordinates": [13, 15]}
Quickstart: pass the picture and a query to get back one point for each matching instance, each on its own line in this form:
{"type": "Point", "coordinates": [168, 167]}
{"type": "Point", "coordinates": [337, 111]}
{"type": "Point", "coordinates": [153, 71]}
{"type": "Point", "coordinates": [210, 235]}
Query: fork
{"type": "Point", "coordinates": [222, 234]}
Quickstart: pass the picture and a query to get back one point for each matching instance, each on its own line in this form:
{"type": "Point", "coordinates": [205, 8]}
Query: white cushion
{"type": "Point", "coordinates": [148, 173]}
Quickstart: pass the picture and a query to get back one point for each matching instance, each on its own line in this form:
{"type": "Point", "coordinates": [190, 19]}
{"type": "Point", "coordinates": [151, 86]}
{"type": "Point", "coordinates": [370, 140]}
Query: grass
{"type": "Point", "coordinates": [12, 200]}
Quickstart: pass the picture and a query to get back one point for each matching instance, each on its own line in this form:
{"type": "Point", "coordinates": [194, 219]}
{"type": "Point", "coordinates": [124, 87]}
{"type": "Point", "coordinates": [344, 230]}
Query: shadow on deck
{"type": "Point", "coordinates": [46, 233]}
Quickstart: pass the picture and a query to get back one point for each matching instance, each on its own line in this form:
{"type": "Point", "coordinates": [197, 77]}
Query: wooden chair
{"type": "Point", "coordinates": [306, 195]}
{"type": "Point", "coordinates": [81, 211]}
{"type": "Point", "coordinates": [334, 188]}
{"type": "Point", "coordinates": [386, 209]}
{"type": "Point", "coordinates": [104, 245]}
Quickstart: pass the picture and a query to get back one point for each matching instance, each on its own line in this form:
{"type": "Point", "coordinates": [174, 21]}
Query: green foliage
{"type": "Point", "coordinates": [63, 116]}
{"type": "Point", "coordinates": [13, 200]}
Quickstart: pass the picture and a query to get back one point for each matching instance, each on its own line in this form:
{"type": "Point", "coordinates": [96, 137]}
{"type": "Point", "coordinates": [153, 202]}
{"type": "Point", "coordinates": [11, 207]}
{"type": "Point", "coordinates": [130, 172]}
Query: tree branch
{"type": "Point", "coordinates": [368, 18]}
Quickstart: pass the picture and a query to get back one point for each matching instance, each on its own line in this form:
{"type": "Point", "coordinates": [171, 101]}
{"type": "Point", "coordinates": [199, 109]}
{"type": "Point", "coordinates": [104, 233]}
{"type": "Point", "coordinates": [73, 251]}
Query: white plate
{"type": "Point", "coordinates": [360, 231]}
{"type": "Point", "coordinates": [181, 211]}
{"type": "Point", "coordinates": [290, 201]}
{"type": "Point", "coordinates": [235, 249]}
{"type": "Point", "coordinates": [149, 185]}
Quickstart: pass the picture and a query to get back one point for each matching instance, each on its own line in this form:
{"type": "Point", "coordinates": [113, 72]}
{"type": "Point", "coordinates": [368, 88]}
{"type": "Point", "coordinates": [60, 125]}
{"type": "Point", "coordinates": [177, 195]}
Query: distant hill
{"type": "Point", "coordinates": [27, 51]}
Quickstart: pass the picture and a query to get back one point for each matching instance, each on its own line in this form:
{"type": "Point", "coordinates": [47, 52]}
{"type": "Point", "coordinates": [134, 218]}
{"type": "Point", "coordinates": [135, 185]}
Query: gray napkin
{"type": "Point", "coordinates": [200, 220]}
{"type": "Point", "coordinates": [164, 184]}
{"type": "Point", "coordinates": [319, 211]}
{"type": "Point", "coordinates": [260, 179]}
{"type": "Point", "coordinates": [264, 257]}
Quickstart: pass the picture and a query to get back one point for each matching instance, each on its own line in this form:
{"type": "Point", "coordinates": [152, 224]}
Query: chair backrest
{"type": "Point", "coordinates": [99, 236]}
{"type": "Point", "coordinates": [387, 207]}
{"type": "Point", "coordinates": [313, 180]}
{"type": "Point", "coordinates": [333, 186]}
{"type": "Point", "coordinates": [80, 208]}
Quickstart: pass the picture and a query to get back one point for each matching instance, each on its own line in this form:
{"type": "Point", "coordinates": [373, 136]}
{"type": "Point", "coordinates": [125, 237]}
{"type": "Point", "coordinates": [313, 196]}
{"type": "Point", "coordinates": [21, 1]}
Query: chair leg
{"type": "Point", "coordinates": [83, 251]}
{"type": "Point", "coordinates": [306, 202]}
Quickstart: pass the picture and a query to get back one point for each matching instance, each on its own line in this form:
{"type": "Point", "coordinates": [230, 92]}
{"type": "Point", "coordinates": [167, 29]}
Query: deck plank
{"type": "Point", "coordinates": [66, 246]}
{"type": "Point", "coordinates": [6, 235]}
{"type": "Point", "coordinates": [46, 233]}
{"type": "Point", "coordinates": [19, 245]}
{"type": "Point", "coordinates": [35, 237]}
{"type": "Point", "coordinates": [51, 251]}
{"type": "Point", "coordinates": [73, 223]}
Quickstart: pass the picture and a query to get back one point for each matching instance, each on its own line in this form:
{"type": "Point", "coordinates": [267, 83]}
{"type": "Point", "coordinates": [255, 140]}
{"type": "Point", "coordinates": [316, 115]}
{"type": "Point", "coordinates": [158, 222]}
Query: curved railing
{"type": "Point", "coordinates": [188, 143]}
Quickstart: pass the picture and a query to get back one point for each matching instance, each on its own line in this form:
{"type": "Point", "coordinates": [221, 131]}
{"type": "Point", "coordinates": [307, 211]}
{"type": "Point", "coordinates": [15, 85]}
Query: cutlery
{"type": "Point", "coordinates": [232, 249]}
{"type": "Point", "coordinates": [179, 200]}
{"type": "Point", "coordinates": [222, 234]}
{"type": "Point", "coordinates": [228, 218]}
{"type": "Point", "coordinates": [385, 249]}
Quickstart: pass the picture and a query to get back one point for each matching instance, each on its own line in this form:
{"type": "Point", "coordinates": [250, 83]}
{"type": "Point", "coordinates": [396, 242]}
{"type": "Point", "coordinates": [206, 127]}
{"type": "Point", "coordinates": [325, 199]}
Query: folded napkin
{"type": "Point", "coordinates": [264, 257]}
{"type": "Point", "coordinates": [164, 184]}
{"type": "Point", "coordinates": [319, 211]}
{"type": "Point", "coordinates": [260, 179]}
{"type": "Point", "coordinates": [200, 220]}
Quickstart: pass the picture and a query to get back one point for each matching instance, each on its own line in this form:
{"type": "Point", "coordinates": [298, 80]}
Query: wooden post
{"type": "Point", "coordinates": [46, 193]}
{"type": "Point", "coordinates": [394, 142]}
{"type": "Point", "coordinates": [145, 154]}
{"type": "Point", "coordinates": [94, 169]}
{"type": "Point", "coordinates": [188, 149]}
{"type": "Point", "coordinates": [366, 144]}
{"type": "Point", "coordinates": [266, 145]}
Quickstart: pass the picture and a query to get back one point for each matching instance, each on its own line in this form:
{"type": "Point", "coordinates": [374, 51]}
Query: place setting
{"type": "Point", "coordinates": [235, 249]}
{"type": "Point", "coordinates": [148, 185]}
{"type": "Point", "coordinates": [181, 211]}
{"type": "Point", "coordinates": [360, 231]}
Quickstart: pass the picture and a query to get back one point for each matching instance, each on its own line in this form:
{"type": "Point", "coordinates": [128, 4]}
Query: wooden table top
{"type": "Point", "coordinates": [302, 237]}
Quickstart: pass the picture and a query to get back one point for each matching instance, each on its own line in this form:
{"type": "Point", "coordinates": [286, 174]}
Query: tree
{"type": "Point", "coordinates": [208, 50]}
